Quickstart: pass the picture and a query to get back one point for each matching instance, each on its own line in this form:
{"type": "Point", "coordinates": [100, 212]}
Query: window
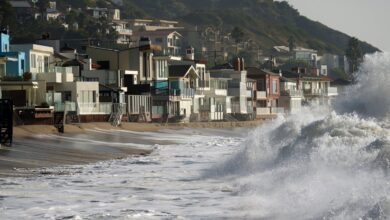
{"type": "Point", "coordinates": [46, 64]}
{"type": "Point", "coordinates": [33, 61]}
{"type": "Point", "coordinates": [40, 64]}
{"type": "Point", "coordinates": [274, 86]}
{"type": "Point", "coordinates": [87, 96]}
{"type": "Point", "coordinates": [6, 47]}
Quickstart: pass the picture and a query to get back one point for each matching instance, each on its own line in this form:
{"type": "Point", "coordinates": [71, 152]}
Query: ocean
{"type": "Point", "coordinates": [323, 163]}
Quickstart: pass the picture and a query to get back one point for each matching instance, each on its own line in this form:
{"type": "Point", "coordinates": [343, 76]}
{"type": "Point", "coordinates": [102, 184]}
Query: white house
{"type": "Point", "coordinates": [38, 57]}
{"type": "Point", "coordinates": [170, 41]}
{"type": "Point", "coordinates": [237, 87]}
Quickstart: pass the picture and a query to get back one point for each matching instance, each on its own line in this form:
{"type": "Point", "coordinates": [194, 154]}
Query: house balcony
{"type": "Point", "coordinates": [124, 32]}
{"type": "Point", "coordinates": [292, 93]}
{"type": "Point", "coordinates": [57, 75]}
{"type": "Point", "coordinates": [332, 91]}
{"type": "Point", "coordinates": [65, 107]}
{"type": "Point", "coordinates": [181, 94]}
{"type": "Point", "coordinates": [95, 108]}
{"type": "Point", "coordinates": [51, 77]}
{"type": "Point", "coordinates": [261, 111]}
{"type": "Point", "coordinates": [261, 95]}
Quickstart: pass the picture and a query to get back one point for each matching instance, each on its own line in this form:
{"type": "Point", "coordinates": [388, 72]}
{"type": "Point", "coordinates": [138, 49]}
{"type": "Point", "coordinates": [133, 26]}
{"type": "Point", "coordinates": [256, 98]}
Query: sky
{"type": "Point", "coordinates": [368, 20]}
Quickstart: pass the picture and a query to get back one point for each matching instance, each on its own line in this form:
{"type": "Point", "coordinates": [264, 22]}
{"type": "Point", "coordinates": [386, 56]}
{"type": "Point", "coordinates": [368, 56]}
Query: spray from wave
{"type": "Point", "coordinates": [321, 163]}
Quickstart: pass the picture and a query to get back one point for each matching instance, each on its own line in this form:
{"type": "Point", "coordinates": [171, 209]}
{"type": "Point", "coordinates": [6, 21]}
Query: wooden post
{"type": "Point", "coordinates": [6, 121]}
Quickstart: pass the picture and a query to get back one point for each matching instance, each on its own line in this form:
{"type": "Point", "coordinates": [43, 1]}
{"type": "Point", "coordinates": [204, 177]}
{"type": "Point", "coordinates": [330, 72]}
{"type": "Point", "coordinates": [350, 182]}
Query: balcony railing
{"type": "Point", "coordinates": [269, 110]}
{"type": "Point", "coordinates": [332, 91]}
{"type": "Point", "coordinates": [95, 108]}
{"type": "Point", "coordinates": [275, 110]}
{"type": "Point", "coordinates": [67, 106]}
{"type": "Point", "coordinates": [183, 93]}
{"type": "Point", "coordinates": [263, 111]}
{"type": "Point", "coordinates": [292, 93]}
{"type": "Point", "coordinates": [261, 95]}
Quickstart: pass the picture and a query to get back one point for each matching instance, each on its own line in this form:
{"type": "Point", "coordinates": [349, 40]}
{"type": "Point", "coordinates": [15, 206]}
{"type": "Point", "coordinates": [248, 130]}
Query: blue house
{"type": "Point", "coordinates": [15, 61]}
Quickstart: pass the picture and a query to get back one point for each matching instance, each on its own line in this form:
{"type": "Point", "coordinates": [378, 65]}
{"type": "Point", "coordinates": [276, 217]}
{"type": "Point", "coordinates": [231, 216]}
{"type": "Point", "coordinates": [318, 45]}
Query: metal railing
{"type": "Point", "coordinates": [263, 111]}
{"type": "Point", "coordinates": [332, 91]}
{"type": "Point", "coordinates": [67, 106]}
{"type": "Point", "coordinates": [292, 93]}
{"type": "Point", "coordinates": [95, 108]}
{"type": "Point", "coordinates": [269, 110]}
{"type": "Point", "coordinates": [261, 95]}
{"type": "Point", "coordinates": [184, 93]}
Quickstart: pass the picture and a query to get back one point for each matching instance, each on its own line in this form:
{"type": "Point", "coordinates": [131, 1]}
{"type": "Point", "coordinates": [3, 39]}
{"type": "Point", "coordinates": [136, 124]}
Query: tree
{"type": "Point", "coordinates": [7, 15]}
{"type": "Point", "coordinates": [42, 6]}
{"type": "Point", "coordinates": [291, 44]}
{"type": "Point", "coordinates": [354, 54]}
{"type": "Point", "coordinates": [238, 36]}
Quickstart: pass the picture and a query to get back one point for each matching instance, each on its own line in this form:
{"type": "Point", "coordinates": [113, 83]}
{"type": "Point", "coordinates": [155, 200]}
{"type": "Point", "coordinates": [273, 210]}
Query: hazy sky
{"type": "Point", "coordinates": [368, 20]}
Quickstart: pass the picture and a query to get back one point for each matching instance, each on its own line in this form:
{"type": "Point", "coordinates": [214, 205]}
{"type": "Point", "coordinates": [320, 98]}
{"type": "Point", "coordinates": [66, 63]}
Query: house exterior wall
{"type": "Point", "coordinates": [4, 42]}
{"type": "Point", "coordinates": [98, 55]}
{"type": "Point", "coordinates": [16, 68]}
{"type": "Point", "coordinates": [76, 89]}
{"type": "Point", "coordinates": [237, 88]}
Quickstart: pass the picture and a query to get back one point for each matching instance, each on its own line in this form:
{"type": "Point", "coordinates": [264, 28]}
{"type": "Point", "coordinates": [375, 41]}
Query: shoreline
{"type": "Point", "coordinates": [33, 151]}
{"type": "Point", "coordinates": [27, 130]}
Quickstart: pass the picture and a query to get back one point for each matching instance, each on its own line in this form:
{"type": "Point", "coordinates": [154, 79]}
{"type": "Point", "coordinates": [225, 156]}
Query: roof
{"type": "Point", "coordinates": [254, 71]}
{"type": "Point", "coordinates": [180, 70]}
{"type": "Point", "coordinates": [73, 62]}
{"type": "Point", "coordinates": [341, 82]}
{"type": "Point", "coordinates": [156, 33]}
{"type": "Point", "coordinates": [67, 48]}
{"type": "Point", "coordinates": [106, 88]}
{"type": "Point", "coordinates": [302, 49]}
{"type": "Point", "coordinates": [20, 4]}
{"type": "Point", "coordinates": [150, 21]}
{"type": "Point", "coordinates": [223, 66]}
{"type": "Point", "coordinates": [291, 75]}
{"type": "Point", "coordinates": [283, 49]}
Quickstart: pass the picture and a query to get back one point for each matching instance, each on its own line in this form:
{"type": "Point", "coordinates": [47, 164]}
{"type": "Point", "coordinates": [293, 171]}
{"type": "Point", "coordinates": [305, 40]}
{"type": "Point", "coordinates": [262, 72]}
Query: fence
{"type": "Point", "coordinates": [95, 108]}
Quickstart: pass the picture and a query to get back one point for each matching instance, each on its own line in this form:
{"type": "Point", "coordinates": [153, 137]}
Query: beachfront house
{"type": "Point", "coordinates": [315, 87]}
{"type": "Point", "coordinates": [237, 87]}
{"type": "Point", "coordinates": [14, 61]}
{"type": "Point", "coordinates": [38, 57]}
{"type": "Point", "coordinates": [291, 95]}
{"type": "Point", "coordinates": [267, 92]}
{"type": "Point", "coordinates": [140, 72]}
{"type": "Point", "coordinates": [170, 41]}
{"type": "Point", "coordinates": [182, 85]}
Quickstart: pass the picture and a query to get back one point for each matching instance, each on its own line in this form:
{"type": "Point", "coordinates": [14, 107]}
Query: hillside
{"type": "Point", "coordinates": [268, 22]}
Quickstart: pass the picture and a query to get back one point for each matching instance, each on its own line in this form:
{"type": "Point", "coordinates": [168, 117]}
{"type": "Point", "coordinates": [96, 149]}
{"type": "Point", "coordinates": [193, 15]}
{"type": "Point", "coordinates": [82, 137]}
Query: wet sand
{"type": "Point", "coordinates": [38, 146]}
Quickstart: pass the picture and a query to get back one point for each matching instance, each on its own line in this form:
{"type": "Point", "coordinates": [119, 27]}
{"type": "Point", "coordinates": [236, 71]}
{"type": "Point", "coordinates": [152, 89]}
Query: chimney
{"type": "Point", "coordinates": [237, 64]}
{"type": "Point", "coordinates": [242, 66]}
{"type": "Point", "coordinates": [190, 53]}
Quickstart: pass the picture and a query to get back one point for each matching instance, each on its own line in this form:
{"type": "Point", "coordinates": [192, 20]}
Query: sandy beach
{"type": "Point", "coordinates": [37, 146]}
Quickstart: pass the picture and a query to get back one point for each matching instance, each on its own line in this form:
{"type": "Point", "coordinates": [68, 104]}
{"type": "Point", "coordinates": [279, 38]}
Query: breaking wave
{"type": "Point", "coordinates": [322, 163]}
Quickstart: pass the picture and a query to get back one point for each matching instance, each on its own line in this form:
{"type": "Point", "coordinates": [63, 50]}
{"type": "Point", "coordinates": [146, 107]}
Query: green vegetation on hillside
{"type": "Point", "coordinates": [266, 22]}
